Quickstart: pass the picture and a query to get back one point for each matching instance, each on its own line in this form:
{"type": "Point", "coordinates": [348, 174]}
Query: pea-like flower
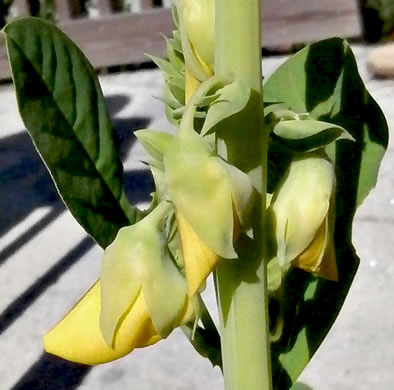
{"type": "Point", "coordinates": [140, 298]}
{"type": "Point", "coordinates": [212, 198]}
{"type": "Point", "coordinates": [302, 210]}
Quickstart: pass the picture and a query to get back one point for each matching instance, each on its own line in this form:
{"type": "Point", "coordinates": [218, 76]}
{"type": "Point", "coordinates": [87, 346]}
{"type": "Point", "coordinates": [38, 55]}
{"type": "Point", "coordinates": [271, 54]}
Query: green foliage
{"type": "Point", "coordinates": [63, 108]}
{"type": "Point", "coordinates": [328, 87]}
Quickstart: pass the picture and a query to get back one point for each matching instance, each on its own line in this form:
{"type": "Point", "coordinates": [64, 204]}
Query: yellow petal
{"type": "Point", "coordinates": [198, 258]}
{"type": "Point", "coordinates": [319, 257]}
{"type": "Point", "coordinates": [301, 205]}
{"type": "Point", "coordinates": [135, 255]}
{"type": "Point", "coordinates": [310, 259]}
{"type": "Point", "coordinates": [78, 336]}
{"type": "Point", "coordinates": [328, 268]}
{"type": "Point", "coordinates": [191, 84]}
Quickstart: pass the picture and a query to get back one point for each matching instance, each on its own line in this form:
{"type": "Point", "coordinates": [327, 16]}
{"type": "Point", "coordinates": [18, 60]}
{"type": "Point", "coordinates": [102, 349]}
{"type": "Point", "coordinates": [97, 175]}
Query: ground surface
{"type": "Point", "coordinates": [47, 262]}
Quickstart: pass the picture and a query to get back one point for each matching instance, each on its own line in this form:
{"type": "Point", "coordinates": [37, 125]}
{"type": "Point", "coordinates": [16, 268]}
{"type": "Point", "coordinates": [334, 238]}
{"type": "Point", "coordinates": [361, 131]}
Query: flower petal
{"type": "Point", "coordinates": [198, 258]}
{"type": "Point", "coordinates": [165, 296]}
{"type": "Point", "coordinates": [78, 338]}
{"type": "Point", "coordinates": [201, 191]}
{"type": "Point", "coordinates": [191, 84]}
{"type": "Point", "coordinates": [243, 193]}
{"type": "Point", "coordinates": [301, 205]}
{"type": "Point", "coordinates": [120, 282]}
{"type": "Point", "coordinates": [319, 257]}
{"type": "Point", "coordinates": [133, 257]}
{"type": "Point", "coordinates": [199, 22]}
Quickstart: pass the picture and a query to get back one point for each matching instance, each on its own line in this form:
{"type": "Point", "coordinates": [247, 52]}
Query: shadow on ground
{"type": "Point", "coordinates": [26, 186]}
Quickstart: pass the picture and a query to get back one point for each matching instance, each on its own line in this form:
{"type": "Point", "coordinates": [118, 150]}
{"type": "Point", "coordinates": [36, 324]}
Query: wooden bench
{"type": "Point", "coordinates": [122, 38]}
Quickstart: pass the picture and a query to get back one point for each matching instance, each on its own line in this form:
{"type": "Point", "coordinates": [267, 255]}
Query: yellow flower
{"type": "Point", "coordinates": [302, 211]}
{"type": "Point", "coordinates": [78, 338]}
{"type": "Point", "coordinates": [140, 298]}
{"type": "Point", "coordinates": [212, 198]}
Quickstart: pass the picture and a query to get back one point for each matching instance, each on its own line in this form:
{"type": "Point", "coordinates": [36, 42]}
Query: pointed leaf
{"type": "Point", "coordinates": [62, 106]}
{"type": "Point", "coordinates": [232, 99]}
{"type": "Point", "coordinates": [154, 142]}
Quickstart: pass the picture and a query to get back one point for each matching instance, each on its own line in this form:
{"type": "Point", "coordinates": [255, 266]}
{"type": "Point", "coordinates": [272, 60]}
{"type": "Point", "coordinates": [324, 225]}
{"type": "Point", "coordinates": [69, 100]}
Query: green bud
{"type": "Point", "coordinates": [197, 27]}
{"type": "Point", "coordinates": [199, 21]}
{"type": "Point", "coordinates": [300, 209]}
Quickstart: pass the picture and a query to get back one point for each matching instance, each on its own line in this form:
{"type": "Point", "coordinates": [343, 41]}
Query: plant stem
{"type": "Point", "coordinates": [242, 283]}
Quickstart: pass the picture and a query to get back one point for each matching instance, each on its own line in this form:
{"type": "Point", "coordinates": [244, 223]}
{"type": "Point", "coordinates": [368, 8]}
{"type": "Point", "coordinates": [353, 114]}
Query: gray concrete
{"type": "Point", "coordinates": [358, 353]}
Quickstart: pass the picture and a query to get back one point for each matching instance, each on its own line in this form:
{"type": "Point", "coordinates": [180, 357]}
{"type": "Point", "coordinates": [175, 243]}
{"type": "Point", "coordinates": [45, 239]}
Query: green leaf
{"type": "Point", "coordinates": [63, 108]}
{"type": "Point", "coordinates": [232, 99]}
{"type": "Point", "coordinates": [329, 87]}
{"type": "Point", "coordinates": [176, 86]}
{"type": "Point", "coordinates": [165, 66]}
{"type": "Point", "coordinates": [174, 56]}
{"type": "Point", "coordinates": [308, 135]}
{"type": "Point", "coordinates": [154, 142]}
{"type": "Point", "coordinates": [323, 80]}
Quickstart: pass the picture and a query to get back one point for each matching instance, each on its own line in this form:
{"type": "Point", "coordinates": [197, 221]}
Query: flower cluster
{"type": "Point", "coordinates": [154, 270]}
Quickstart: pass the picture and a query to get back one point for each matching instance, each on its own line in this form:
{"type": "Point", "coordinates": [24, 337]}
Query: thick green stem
{"type": "Point", "coordinates": [242, 283]}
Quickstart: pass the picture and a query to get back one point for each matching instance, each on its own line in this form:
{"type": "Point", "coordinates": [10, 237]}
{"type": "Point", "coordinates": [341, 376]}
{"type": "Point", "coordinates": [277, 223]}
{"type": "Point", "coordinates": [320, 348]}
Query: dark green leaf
{"type": "Point", "coordinates": [62, 106]}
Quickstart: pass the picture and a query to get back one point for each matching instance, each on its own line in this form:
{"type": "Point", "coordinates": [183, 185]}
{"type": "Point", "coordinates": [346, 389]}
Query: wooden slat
{"type": "Point", "coordinates": [290, 22]}
{"type": "Point", "coordinates": [124, 38]}
{"type": "Point", "coordinates": [121, 39]}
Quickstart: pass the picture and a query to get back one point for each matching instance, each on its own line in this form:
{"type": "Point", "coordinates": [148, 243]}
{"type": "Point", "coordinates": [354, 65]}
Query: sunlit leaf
{"type": "Point", "coordinates": [308, 135]}
{"type": "Point", "coordinates": [63, 108]}
{"type": "Point", "coordinates": [323, 80]}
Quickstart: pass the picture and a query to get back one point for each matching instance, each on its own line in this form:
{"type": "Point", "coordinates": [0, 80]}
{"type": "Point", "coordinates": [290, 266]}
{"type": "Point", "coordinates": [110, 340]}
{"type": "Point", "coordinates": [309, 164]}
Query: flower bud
{"type": "Point", "coordinates": [301, 211]}
{"type": "Point", "coordinates": [199, 22]}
